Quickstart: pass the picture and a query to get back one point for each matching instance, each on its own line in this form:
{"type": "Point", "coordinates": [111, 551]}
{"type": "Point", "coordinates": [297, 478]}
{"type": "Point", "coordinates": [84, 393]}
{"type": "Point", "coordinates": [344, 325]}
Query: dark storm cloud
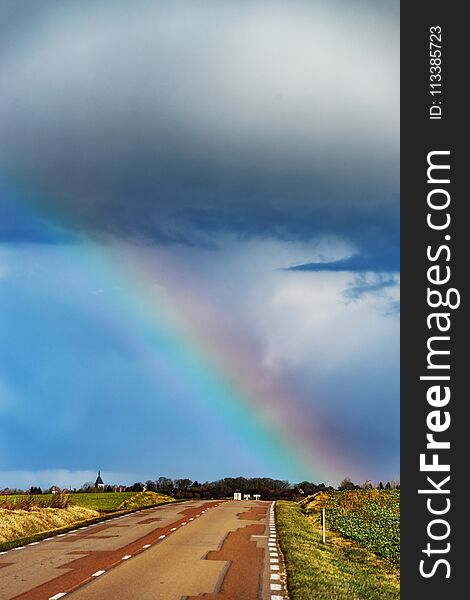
{"type": "Point", "coordinates": [376, 256]}
{"type": "Point", "coordinates": [167, 126]}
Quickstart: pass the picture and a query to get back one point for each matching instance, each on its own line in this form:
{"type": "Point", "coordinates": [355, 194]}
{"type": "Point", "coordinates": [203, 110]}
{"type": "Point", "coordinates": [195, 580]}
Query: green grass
{"type": "Point", "coordinates": [340, 569]}
{"type": "Point", "coordinates": [102, 501]}
{"type": "Point", "coordinates": [11, 501]}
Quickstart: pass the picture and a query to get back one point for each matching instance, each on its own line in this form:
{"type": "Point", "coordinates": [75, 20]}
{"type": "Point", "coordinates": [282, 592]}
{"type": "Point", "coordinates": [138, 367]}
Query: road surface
{"type": "Point", "coordinates": [214, 550]}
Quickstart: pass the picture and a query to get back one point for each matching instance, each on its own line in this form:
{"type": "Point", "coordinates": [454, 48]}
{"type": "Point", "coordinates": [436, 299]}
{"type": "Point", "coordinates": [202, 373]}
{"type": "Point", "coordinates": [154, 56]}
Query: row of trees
{"type": "Point", "coordinates": [347, 484]}
{"type": "Point", "coordinates": [222, 488]}
{"type": "Point", "coordinates": [268, 488]}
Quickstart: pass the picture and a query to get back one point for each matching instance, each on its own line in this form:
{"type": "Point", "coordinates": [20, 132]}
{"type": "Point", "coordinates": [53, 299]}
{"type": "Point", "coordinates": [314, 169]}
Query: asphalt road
{"type": "Point", "coordinates": [200, 549]}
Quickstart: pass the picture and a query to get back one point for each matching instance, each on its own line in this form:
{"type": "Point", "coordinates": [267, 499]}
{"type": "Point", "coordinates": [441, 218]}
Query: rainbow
{"type": "Point", "coordinates": [173, 330]}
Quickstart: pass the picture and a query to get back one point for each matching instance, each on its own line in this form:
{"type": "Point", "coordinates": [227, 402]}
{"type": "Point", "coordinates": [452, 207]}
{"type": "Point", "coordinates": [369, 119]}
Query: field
{"type": "Point", "coordinates": [24, 519]}
{"type": "Point", "coordinates": [341, 568]}
{"type": "Point", "coordinates": [103, 501]}
{"type": "Point", "coordinates": [370, 517]}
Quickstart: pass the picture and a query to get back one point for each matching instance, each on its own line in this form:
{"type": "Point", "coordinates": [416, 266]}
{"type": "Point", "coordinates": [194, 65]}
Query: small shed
{"type": "Point", "coordinates": [237, 495]}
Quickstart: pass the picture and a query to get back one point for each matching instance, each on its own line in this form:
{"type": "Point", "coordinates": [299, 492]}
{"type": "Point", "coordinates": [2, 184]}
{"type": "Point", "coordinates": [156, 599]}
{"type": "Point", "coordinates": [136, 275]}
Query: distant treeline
{"type": "Point", "coordinates": [268, 488]}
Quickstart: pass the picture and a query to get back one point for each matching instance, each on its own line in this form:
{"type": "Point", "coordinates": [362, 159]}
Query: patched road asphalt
{"type": "Point", "coordinates": [215, 550]}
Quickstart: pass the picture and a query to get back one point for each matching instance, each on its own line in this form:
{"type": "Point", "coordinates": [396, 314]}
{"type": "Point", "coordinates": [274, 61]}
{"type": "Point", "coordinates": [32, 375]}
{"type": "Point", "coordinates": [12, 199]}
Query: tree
{"type": "Point", "coordinates": [138, 486]}
{"type": "Point", "coordinates": [305, 488]}
{"type": "Point", "coordinates": [381, 486]}
{"type": "Point", "coordinates": [183, 485]}
{"type": "Point", "coordinates": [165, 485]}
{"type": "Point", "coordinates": [88, 487]}
{"type": "Point", "coordinates": [346, 484]}
{"type": "Point", "coordinates": [151, 485]}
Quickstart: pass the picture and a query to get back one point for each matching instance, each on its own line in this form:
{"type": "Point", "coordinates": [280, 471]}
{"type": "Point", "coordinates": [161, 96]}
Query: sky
{"type": "Point", "coordinates": [199, 240]}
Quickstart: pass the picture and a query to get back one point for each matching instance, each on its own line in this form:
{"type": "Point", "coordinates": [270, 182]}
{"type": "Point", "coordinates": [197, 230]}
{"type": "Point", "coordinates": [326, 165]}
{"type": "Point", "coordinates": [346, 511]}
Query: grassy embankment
{"type": "Point", "coordinates": [360, 559]}
{"type": "Point", "coordinates": [25, 519]}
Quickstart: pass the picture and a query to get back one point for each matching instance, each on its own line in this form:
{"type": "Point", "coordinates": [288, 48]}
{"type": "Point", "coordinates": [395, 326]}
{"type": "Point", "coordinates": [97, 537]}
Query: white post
{"type": "Point", "coordinates": [323, 525]}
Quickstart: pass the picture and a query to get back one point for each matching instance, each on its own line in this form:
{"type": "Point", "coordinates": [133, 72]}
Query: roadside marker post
{"type": "Point", "coordinates": [323, 525]}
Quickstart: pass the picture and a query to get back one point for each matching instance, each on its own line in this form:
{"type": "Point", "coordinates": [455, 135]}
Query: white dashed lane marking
{"type": "Point", "coordinates": [126, 557]}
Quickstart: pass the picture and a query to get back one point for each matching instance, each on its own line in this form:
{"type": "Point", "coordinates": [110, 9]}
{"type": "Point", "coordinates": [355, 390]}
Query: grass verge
{"type": "Point", "coordinates": [20, 527]}
{"type": "Point", "coordinates": [340, 569]}
{"type": "Point", "coordinates": [17, 524]}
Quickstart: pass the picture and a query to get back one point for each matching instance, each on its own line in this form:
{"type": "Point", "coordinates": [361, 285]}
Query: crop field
{"type": "Point", "coordinates": [371, 517]}
{"type": "Point", "coordinates": [338, 569]}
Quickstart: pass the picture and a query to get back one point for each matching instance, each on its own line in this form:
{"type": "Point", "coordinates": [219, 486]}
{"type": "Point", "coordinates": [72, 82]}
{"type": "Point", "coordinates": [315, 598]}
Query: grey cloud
{"type": "Point", "coordinates": [151, 120]}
